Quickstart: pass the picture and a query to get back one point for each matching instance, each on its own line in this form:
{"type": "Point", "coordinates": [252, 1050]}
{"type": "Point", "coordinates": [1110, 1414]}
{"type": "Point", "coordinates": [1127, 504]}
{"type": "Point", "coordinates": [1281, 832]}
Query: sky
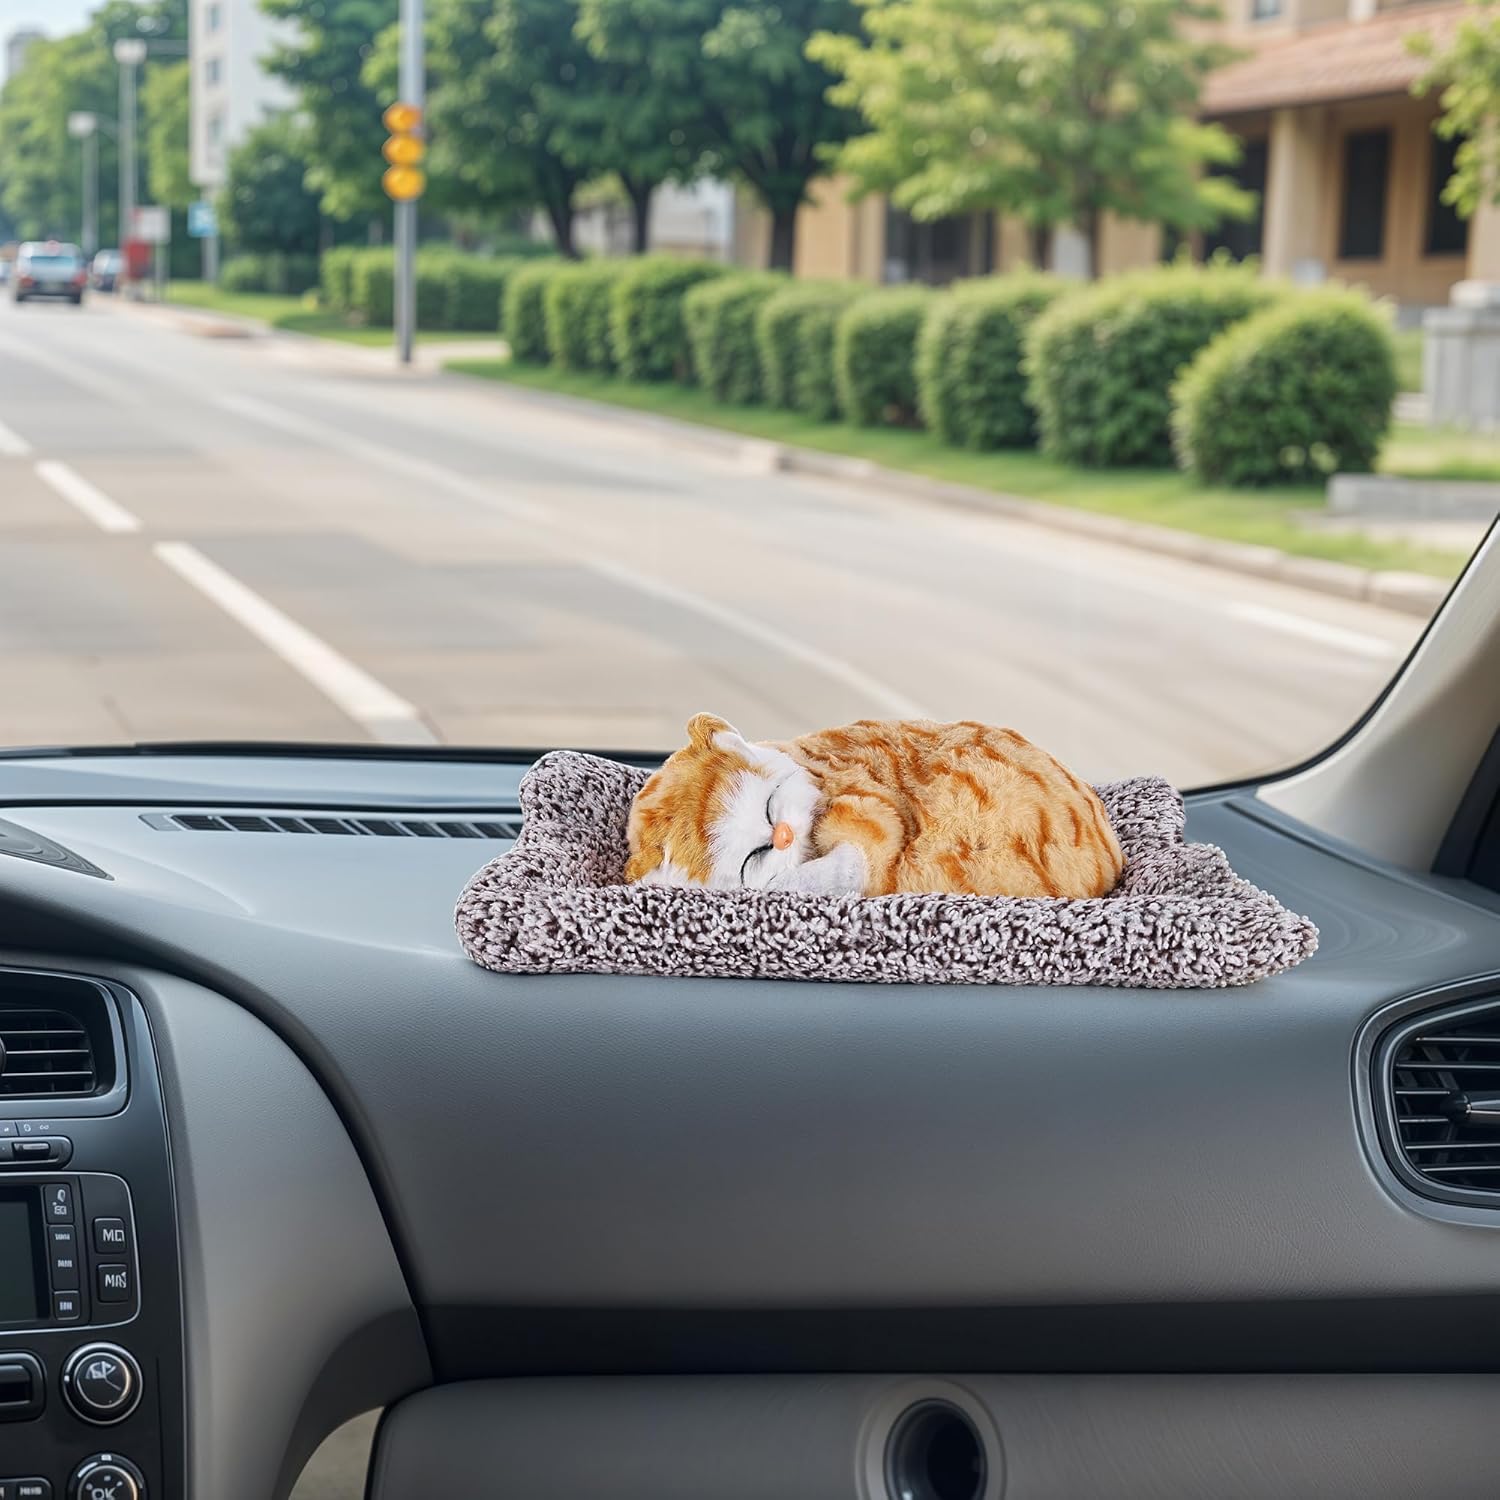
{"type": "Point", "coordinates": [51, 16]}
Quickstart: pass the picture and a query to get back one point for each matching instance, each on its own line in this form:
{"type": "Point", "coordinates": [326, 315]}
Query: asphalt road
{"type": "Point", "coordinates": [286, 539]}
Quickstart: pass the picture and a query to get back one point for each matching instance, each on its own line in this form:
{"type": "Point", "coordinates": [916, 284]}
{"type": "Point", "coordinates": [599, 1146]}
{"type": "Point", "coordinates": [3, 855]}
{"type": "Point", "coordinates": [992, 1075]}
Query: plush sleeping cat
{"type": "Point", "coordinates": [870, 809]}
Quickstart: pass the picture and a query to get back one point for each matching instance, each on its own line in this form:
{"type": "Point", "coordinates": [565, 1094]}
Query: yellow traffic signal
{"type": "Point", "coordinates": [404, 178]}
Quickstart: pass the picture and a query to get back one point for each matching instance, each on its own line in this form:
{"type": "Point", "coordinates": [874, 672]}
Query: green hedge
{"type": "Point", "coordinates": [433, 270]}
{"type": "Point", "coordinates": [270, 271]}
{"type": "Point", "coordinates": [475, 288]}
{"type": "Point", "coordinates": [525, 317]}
{"type": "Point", "coordinates": [336, 278]}
{"type": "Point", "coordinates": [720, 318]}
{"type": "Point", "coordinates": [1293, 393]}
{"type": "Point", "coordinates": [1102, 363]}
{"type": "Point", "coordinates": [874, 356]}
{"type": "Point", "coordinates": [780, 335]}
{"type": "Point", "coordinates": [576, 313]}
{"type": "Point", "coordinates": [970, 383]}
{"type": "Point", "coordinates": [372, 297]}
{"type": "Point", "coordinates": [649, 340]}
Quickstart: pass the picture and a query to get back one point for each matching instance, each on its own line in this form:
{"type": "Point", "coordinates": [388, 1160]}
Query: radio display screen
{"type": "Point", "coordinates": [20, 1264]}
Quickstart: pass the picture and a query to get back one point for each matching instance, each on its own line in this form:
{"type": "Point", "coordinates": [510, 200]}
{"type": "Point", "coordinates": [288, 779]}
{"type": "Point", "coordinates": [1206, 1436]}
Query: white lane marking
{"type": "Point", "coordinates": [76, 372]}
{"type": "Point", "coordinates": [1353, 641]}
{"type": "Point", "coordinates": [369, 703]}
{"type": "Point", "coordinates": [534, 516]}
{"type": "Point", "coordinates": [12, 444]}
{"type": "Point", "coordinates": [89, 499]}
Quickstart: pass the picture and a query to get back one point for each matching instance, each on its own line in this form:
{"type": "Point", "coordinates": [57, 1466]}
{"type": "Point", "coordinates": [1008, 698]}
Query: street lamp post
{"type": "Point", "coordinates": [130, 53]}
{"type": "Point", "coordinates": [413, 86]}
{"type": "Point", "coordinates": [84, 126]}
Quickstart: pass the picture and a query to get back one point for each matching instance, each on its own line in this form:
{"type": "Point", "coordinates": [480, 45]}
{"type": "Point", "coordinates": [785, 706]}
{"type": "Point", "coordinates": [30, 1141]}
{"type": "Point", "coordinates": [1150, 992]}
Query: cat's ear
{"type": "Point", "coordinates": [703, 729]}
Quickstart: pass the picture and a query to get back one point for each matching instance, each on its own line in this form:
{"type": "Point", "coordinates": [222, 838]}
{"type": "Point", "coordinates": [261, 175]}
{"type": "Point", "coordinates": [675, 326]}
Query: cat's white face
{"type": "Point", "coordinates": [766, 829]}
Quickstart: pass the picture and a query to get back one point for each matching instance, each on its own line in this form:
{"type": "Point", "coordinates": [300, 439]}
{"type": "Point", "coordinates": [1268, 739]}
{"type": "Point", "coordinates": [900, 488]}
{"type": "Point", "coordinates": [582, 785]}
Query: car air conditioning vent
{"type": "Point", "coordinates": [1444, 1098]}
{"type": "Point", "coordinates": [345, 825]}
{"type": "Point", "coordinates": [45, 1054]}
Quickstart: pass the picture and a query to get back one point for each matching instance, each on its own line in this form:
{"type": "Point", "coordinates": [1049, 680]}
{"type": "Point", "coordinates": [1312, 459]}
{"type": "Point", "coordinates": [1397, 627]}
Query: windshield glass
{"type": "Point", "coordinates": [798, 362]}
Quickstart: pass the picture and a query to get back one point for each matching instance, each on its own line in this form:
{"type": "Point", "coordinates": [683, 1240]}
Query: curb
{"type": "Point", "coordinates": [1407, 593]}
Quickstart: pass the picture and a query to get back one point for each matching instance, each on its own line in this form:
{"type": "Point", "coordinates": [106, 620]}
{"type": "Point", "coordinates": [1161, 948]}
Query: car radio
{"type": "Point", "coordinates": [91, 1382]}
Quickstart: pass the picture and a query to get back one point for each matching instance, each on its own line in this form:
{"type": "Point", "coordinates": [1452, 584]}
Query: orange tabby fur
{"type": "Point", "coordinates": [964, 808]}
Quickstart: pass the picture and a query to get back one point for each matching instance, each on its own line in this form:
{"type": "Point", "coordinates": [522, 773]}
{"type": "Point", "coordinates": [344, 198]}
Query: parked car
{"type": "Point", "coordinates": [50, 268]}
{"type": "Point", "coordinates": [108, 267]}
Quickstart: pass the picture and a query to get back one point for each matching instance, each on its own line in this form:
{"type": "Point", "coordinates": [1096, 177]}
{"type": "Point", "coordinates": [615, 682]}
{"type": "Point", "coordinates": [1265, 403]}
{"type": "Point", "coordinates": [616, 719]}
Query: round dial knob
{"type": "Point", "coordinates": [102, 1383]}
{"type": "Point", "coordinates": [107, 1476]}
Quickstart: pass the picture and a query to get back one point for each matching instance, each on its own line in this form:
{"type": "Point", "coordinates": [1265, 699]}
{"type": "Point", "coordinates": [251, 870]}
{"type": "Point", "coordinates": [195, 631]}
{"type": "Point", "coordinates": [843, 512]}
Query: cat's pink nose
{"type": "Point", "coordinates": [783, 836]}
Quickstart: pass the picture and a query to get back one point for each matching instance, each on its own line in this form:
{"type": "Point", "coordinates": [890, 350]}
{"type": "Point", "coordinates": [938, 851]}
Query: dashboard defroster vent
{"type": "Point", "coordinates": [345, 825]}
{"type": "Point", "coordinates": [44, 1054]}
{"type": "Point", "coordinates": [1442, 1076]}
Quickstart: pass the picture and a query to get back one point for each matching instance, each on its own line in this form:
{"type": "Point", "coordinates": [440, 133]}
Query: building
{"type": "Point", "coordinates": [1345, 161]}
{"type": "Point", "coordinates": [17, 45]}
{"type": "Point", "coordinates": [231, 92]}
{"type": "Point", "coordinates": [694, 219]}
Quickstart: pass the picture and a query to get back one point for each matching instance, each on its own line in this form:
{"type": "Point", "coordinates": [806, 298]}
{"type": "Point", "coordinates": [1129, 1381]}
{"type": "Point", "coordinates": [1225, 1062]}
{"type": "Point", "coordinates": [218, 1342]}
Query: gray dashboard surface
{"type": "Point", "coordinates": [577, 1170]}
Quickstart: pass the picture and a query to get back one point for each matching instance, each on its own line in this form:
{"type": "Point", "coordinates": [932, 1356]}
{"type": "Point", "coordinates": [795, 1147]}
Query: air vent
{"type": "Point", "coordinates": [44, 1054]}
{"type": "Point", "coordinates": [340, 825]}
{"type": "Point", "coordinates": [1443, 1073]}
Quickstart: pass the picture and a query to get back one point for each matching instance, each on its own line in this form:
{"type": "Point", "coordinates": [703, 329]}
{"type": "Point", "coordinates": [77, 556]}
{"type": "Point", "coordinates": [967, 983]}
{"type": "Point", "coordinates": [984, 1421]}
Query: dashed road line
{"type": "Point", "coordinates": [86, 498]}
{"type": "Point", "coordinates": [386, 716]}
{"type": "Point", "coordinates": [1356, 642]}
{"type": "Point", "coordinates": [12, 444]}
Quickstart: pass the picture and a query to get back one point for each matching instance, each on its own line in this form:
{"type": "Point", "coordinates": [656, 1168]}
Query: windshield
{"type": "Point", "coordinates": [801, 363]}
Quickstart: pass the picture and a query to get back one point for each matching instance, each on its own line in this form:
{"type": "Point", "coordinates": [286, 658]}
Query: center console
{"type": "Point", "coordinates": [91, 1374]}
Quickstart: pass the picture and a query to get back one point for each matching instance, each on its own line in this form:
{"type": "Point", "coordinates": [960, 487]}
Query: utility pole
{"type": "Point", "coordinates": [130, 53]}
{"type": "Point", "coordinates": [84, 126]}
{"type": "Point", "coordinates": [413, 86]}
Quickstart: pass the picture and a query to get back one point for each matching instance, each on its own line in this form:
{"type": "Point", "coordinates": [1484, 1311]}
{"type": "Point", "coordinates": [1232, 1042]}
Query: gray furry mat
{"type": "Point", "coordinates": [1179, 919]}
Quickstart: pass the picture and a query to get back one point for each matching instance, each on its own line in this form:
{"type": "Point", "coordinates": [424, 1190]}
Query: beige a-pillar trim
{"type": "Point", "coordinates": [1297, 190]}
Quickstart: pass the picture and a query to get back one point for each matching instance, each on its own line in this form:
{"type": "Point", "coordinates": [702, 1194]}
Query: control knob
{"type": "Point", "coordinates": [107, 1476]}
{"type": "Point", "coordinates": [102, 1383]}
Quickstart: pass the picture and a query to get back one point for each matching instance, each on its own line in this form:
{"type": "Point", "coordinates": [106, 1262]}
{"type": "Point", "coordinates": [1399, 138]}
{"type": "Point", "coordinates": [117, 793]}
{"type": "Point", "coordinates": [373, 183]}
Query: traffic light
{"type": "Point", "coordinates": [404, 179]}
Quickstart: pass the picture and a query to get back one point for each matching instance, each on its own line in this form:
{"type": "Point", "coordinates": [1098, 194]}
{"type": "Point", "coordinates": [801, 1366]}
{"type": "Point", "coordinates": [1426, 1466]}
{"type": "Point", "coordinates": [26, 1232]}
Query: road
{"type": "Point", "coordinates": [285, 539]}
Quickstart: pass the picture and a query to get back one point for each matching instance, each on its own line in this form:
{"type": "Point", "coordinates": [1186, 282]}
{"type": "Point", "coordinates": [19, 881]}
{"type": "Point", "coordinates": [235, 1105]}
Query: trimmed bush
{"type": "Point", "coordinates": [475, 288]}
{"type": "Point", "coordinates": [525, 318]}
{"type": "Point", "coordinates": [970, 385]}
{"type": "Point", "coordinates": [1102, 363]}
{"type": "Point", "coordinates": [874, 356]}
{"type": "Point", "coordinates": [720, 319]}
{"type": "Point", "coordinates": [779, 336]}
{"type": "Point", "coordinates": [433, 267]}
{"type": "Point", "coordinates": [372, 296]}
{"type": "Point", "coordinates": [1293, 393]}
{"type": "Point", "coordinates": [645, 316]}
{"type": "Point", "coordinates": [576, 311]}
{"type": "Point", "coordinates": [336, 278]}
{"type": "Point", "coordinates": [271, 271]}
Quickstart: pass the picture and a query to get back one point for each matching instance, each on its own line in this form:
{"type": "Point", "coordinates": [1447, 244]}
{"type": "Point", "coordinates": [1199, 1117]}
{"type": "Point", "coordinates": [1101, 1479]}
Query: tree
{"type": "Point", "coordinates": [266, 204]}
{"type": "Point", "coordinates": [164, 102]}
{"type": "Point", "coordinates": [323, 66]}
{"type": "Point", "coordinates": [1466, 75]}
{"type": "Point", "coordinates": [1058, 112]}
{"type": "Point", "coordinates": [757, 106]}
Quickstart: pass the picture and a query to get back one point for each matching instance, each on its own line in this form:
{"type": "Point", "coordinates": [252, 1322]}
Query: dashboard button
{"type": "Point", "coordinates": [23, 1391]}
{"type": "Point", "coordinates": [62, 1253]}
{"type": "Point", "coordinates": [102, 1383]}
{"type": "Point", "coordinates": [107, 1476]}
{"type": "Point", "coordinates": [113, 1283]}
{"type": "Point", "coordinates": [33, 1489]}
{"type": "Point", "coordinates": [67, 1307]}
{"type": "Point", "coordinates": [59, 1199]}
{"type": "Point", "coordinates": [7, 1128]}
{"type": "Point", "coordinates": [110, 1237]}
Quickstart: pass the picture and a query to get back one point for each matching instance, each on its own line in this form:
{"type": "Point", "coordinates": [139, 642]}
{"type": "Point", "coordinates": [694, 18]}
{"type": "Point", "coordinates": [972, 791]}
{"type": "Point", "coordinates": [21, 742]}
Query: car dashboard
{"type": "Point", "coordinates": [608, 1236]}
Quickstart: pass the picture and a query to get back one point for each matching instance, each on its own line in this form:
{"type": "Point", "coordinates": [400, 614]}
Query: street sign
{"type": "Point", "coordinates": [203, 220]}
{"type": "Point", "coordinates": [152, 225]}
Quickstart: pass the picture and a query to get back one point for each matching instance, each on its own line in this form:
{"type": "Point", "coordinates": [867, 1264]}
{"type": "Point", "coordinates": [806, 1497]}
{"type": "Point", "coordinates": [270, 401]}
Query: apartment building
{"type": "Point", "coordinates": [17, 45]}
{"type": "Point", "coordinates": [1345, 161]}
{"type": "Point", "coordinates": [231, 92]}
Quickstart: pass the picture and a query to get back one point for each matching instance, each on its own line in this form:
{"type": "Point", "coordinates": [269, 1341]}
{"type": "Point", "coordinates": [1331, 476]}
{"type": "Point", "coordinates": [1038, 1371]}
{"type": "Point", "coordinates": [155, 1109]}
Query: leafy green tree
{"type": "Point", "coordinates": [164, 102]}
{"type": "Point", "coordinates": [751, 104]}
{"type": "Point", "coordinates": [323, 64]}
{"type": "Point", "coordinates": [1058, 112]}
{"type": "Point", "coordinates": [266, 204]}
{"type": "Point", "coordinates": [1466, 77]}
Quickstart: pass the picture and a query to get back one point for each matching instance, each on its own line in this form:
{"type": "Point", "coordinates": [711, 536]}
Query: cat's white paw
{"type": "Point", "coordinates": [840, 872]}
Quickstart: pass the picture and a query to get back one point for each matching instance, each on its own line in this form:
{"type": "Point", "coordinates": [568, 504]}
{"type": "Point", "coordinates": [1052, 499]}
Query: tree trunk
{"type": "Point", "coordinates": [1089, 226]}
{"type": "Point", "coordinates": [783, 238]}
{"type": "Point", "coordinates": [1041, 246]}
{"type": "Point", "coordinates": [640, 214]}
{"type": "Point", "coordinates": [560, 215]}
